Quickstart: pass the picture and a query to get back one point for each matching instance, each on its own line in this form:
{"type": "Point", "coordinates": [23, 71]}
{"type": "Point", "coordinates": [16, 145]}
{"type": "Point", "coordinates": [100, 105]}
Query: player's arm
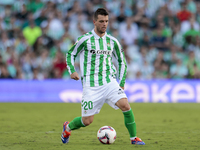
{"type": "Point", "coordinates": [71, 56]}
{"type": "Point", "coordinates": [122, 66]}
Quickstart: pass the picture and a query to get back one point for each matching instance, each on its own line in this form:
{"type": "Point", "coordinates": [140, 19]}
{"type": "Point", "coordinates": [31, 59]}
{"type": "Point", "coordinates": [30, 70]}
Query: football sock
{"type": "Point", "coordinates": [76, 123]}
{"type": "Point", "coordinates": [130, 124]}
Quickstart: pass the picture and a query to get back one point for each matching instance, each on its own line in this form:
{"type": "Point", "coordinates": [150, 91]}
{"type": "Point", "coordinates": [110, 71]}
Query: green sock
{"type": "Point", "coordinates": [130, 124]}
{"type": "Point", "coordinates": [76, 123]}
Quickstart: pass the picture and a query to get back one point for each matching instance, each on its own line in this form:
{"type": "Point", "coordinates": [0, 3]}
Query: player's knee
{"type": "Point", "coordinates": [87, 121]}
{"type": "Point", "coordinates": [123, 104]}
{"type": "Point", "coordinates": [126, 107]}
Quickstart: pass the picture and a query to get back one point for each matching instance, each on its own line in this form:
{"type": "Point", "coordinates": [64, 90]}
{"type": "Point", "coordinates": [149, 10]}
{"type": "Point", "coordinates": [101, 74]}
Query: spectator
{"type": "Point", "coordinates": [41, 18]}
{"type": "Point", "coordinates": [162, 71]}
{"type": "Point", "coordinates": [65, 43]}
{"type": "Point", "coordinates": [35, 5]}
{"type": "Point", "coordinates": [20, 43]}
{"type": "Point", "coordinates": [88, 10]}
{"type": "Point", "coordinates": [23, 14]}
{"type": "Point", "coordinates": [144, 41]}
{"type": "Point", "coordinates": [191, 6]}
{"type": "Point", "coordinates": [12, 62]}
{"type": "Point", "coordinates": [132, 68]}
{"type": "Point", "coordinates": [173, 55]}
{"type": "Point", "coordinates": [193, 65]}
{"type": "Point", "coordinates": [4, 74]}
{"type": "Point", "coordinates": [140, 17]}
{"type": "Point", "coordinates": [147, 70]}
{"type": "Point", "coordinates": [196, 48]}
{"type": "Point", "coordinates": [31, 33]}
{"type": "Point", "coordinates": [55, 26]}
{"type": "Point", "coordinates": [174, 6]}
{"type": "Point", "coordinates": [158, 40]}
{"type": "Point", "coordinates": [1, 60]}
{"type": "Point", "coordinates": [30, 19]}
{"type": "Point", "coordinates": [13, 26]}
{"type": "Point", "coordinates": [196, 72]}
{"type": "Point", "coordinates": [129, 31]}
{"type": "Point", "coordinates": [44, 64]}
{"type": "Point", "coordinates": [189, 24]}
{"type": "Point", "coordinates": [178, 70]}
{"type": "Point", "coordinates": [177, 36]}
{"type": "Point", "coordinates": [38, 46]}
{"type": "Point", "coordinates": [59, 65]}
{"type": "Point", "coordinates": [150, 6]}
{"type": "Point", "coordinates": [27, 64]}
{"type": "Point", "coordinates": [5, 42]}
{"type": "Point", "coordinates": [184, 14]}
{"type": "Point", "coordinates": [37, 75]}
{"type": "Point", "coordinates": [123, 9]}
{"type": "Point", "coordinates": [197, 14]}
{"type": "Point", "coordinates": [121, 17]}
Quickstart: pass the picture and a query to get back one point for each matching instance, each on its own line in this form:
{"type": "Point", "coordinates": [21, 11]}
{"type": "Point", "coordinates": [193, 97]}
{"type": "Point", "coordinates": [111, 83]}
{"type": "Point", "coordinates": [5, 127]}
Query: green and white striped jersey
{"type": "Point", "coordinates": [96, 59]}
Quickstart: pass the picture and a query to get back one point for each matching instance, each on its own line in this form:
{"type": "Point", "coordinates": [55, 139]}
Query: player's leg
{"type": "Point", "coordinates": [88, 120]}
{"type": "Point", "coordinates": [76, 123]}
{"type": "Point", "coordinates": [79, 122]}
{"type": "Point", "coordinates": [91, 104]}
{"type": "Point", "coordinates": [129, 120]}
{"type": "Point", "coordinates": [116, 98]}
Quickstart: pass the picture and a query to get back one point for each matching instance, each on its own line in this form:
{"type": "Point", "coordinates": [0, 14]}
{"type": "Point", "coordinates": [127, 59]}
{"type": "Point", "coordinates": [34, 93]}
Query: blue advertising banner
{"type": "Point", "coordinates": [164, 91]}
{"type": "Point", "coordinates": [70, 91]}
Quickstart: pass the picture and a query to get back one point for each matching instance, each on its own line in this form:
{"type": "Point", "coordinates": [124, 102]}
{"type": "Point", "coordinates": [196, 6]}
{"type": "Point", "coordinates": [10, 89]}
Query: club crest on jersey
{"type": "Point", "coordinates": [104, 52]}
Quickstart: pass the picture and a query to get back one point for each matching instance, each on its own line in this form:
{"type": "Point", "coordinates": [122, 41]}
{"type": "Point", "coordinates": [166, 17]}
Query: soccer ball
{"type": "Point", "coordinates": [106, 135]}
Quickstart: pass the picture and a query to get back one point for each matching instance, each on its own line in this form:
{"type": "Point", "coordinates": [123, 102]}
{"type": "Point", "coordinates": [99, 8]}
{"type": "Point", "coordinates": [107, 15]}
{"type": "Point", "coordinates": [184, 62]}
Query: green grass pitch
{"type": "Point", "coordinates": [38, 126]}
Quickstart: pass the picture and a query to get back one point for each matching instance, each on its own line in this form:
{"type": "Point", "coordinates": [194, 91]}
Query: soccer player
{"type": "Point", "coordinates": [98, 76]}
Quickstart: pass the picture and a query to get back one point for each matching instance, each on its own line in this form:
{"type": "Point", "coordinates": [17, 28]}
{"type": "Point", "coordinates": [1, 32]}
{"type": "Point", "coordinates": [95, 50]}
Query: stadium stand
{"type": "Point", "coordinates": [161, 38]}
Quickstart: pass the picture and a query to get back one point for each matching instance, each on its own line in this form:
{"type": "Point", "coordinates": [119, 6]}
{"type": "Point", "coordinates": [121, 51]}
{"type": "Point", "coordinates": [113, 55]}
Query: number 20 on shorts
{"type": "Point", "coordinates": [87, 105]}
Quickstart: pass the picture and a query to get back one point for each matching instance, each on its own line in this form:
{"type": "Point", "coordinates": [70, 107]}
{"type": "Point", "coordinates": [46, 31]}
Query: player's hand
{"type": "Point", "coordinates": [122, 87]}
{"type": "Point", "coordinates": [74, 76]}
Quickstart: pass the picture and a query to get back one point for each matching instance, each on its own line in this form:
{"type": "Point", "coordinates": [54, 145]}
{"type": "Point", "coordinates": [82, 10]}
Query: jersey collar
{"type": "Point", "coordinates": [98, 37]}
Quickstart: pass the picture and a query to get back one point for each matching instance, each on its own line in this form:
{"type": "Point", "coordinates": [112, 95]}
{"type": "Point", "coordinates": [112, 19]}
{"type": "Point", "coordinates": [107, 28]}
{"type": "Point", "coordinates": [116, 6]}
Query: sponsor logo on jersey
{"type": "Point", "coordinates": [92, 51]}
{"type": "Point", "coordinates": [104, 52]}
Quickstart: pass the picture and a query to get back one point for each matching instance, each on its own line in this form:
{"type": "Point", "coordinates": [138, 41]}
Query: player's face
{"type": "Point", "coordinates": [101, 24]}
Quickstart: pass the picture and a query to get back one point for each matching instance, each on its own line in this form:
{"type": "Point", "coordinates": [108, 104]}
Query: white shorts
{"type": "Point", "coordinates": [94, 97]}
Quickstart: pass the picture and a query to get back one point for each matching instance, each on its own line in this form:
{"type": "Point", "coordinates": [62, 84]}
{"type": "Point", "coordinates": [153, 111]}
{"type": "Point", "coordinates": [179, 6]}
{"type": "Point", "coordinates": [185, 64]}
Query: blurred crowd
{"type": "Point", "coordinates": [160, 38]}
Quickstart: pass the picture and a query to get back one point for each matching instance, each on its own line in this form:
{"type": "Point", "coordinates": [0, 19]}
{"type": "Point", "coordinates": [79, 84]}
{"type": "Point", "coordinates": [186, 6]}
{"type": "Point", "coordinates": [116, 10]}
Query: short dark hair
{"type": "Point", "coordinates": [100, 11]}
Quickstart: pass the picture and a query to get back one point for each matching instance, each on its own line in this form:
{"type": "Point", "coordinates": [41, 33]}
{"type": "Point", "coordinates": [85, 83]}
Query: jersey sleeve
{"type": "Point", "coordinates": [72, 53]}
{"type": "Point", "coordinates": [121, 61]}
